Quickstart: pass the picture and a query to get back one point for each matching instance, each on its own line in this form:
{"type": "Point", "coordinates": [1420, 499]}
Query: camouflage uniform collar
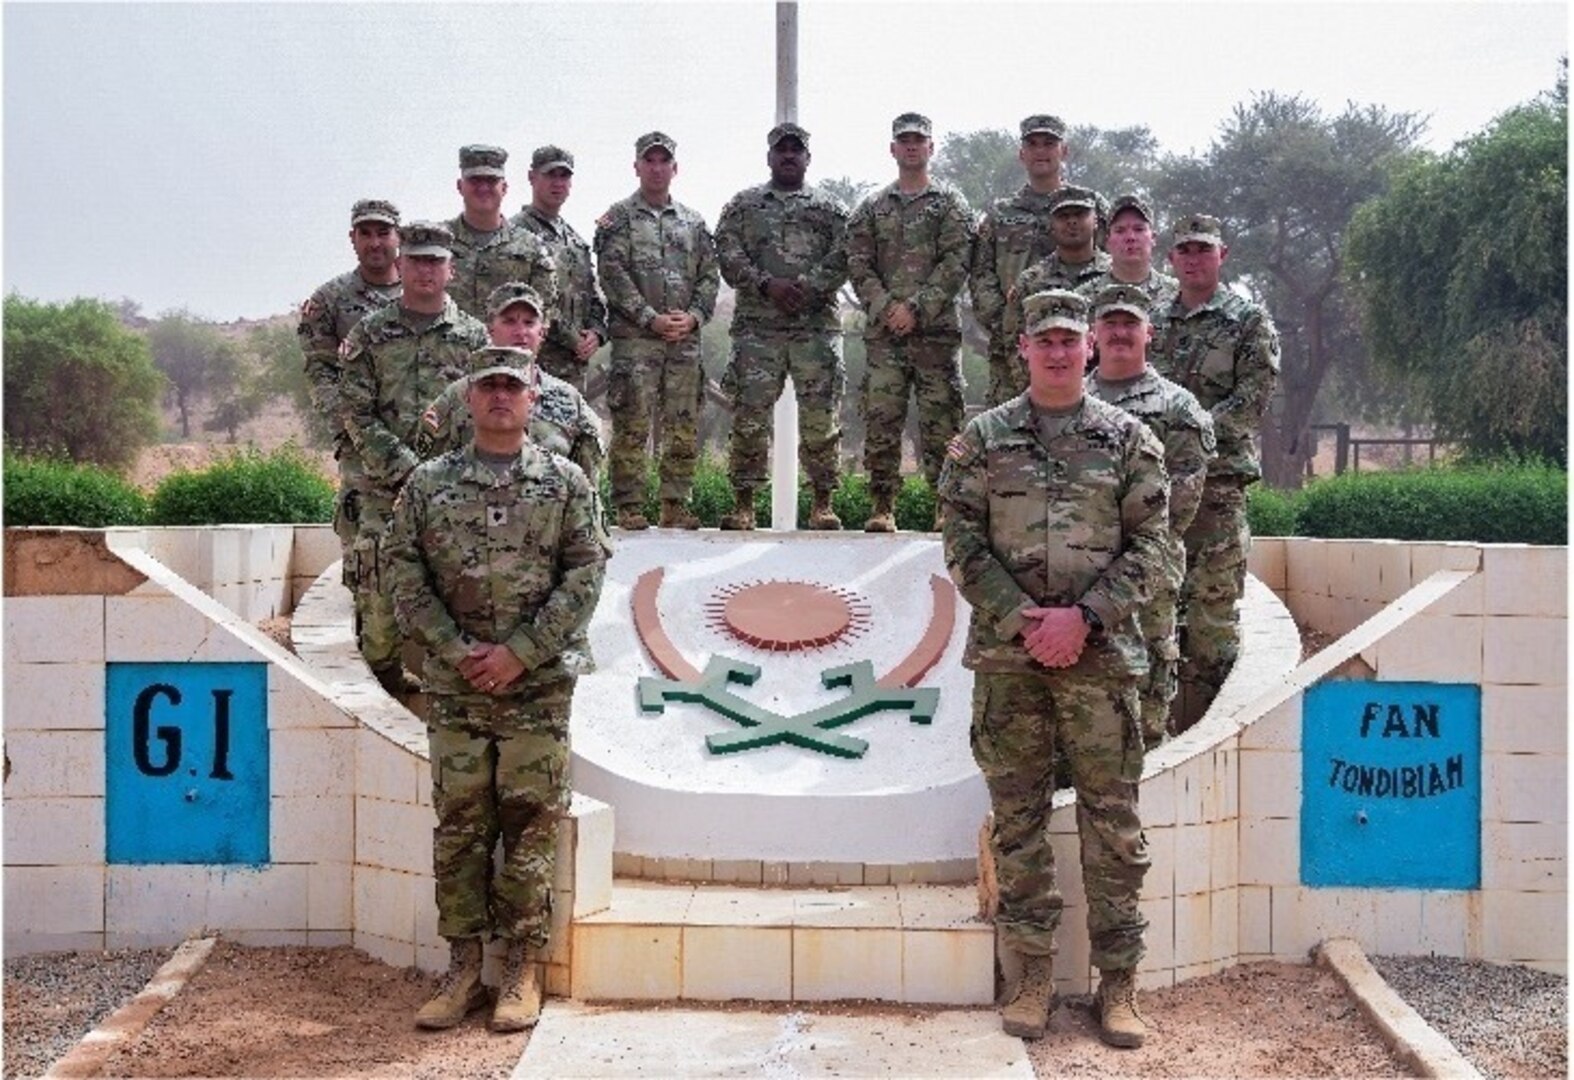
{"type": "Point", "coordinates": [1019, 412]}
{"type": "Point", "coordinates": [1216, 302]}
{"type": "Point", "coordinates": [460, 225]}
{"type": "Point", "coordinates": [893, 191]}
{"type": "Point", "coordinates": [769, 188]}
{"type": "Point", "coordinates": [1034, 198]}
{"type": "Point", "coordinates": [554, 223]}
{"type": "Point", "coordinates": [637, 201]}
{"type": "Point", "coordinates": [478, 472]}
{"type": "Point", "coordinates": [449, 315]}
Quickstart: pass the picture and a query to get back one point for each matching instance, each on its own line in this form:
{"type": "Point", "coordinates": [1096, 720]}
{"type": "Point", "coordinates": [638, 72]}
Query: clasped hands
{"type": "Point", "coordinates": [674, 326]}
{"type": "Point", "coordinates": [491, 668]}
{"type": "Point", "coordinates": [1055, 636]}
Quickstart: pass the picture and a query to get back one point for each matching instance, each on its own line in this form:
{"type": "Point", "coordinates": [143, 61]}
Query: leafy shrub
{"type": "Point", "coordinates": [40, 491]}
{"type": "Point", "coordinates": [1512, 502]}
{"type": "Point", "coordinates": [915, 505]}
{"type": "Point", "coordinates": [247, 487]}
{"type": "Point", "coordinates": [1269, 511]}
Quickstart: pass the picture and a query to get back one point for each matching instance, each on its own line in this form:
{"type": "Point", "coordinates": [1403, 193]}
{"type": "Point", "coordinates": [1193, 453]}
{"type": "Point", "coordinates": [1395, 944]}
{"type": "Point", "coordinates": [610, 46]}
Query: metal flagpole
{"type": "Point", "coordinates": [784, 438]}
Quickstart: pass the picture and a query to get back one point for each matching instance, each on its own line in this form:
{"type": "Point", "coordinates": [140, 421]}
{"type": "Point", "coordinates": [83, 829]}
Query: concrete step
{"type": "Point", "coordinates": [914, 944]}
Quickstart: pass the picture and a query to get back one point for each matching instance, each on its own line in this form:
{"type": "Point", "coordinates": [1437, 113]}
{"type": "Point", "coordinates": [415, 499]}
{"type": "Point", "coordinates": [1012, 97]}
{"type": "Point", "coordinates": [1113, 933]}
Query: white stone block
{"type": "Point", "coordinates": [267, 939]}
{"type": "Point", "coordinates": [1270, 784]}
{"type": "Point", "coordinates": [593, 837]}
{"type": "Point", "coordinates": [150, 628]}
{"type": "Point", "coordinates": [1524, 788]}
{"type": "Point", "coordinates": [1517, 719]}
{"type": "Point", "coordinates": [54, 899]}
{"type": "Point", "coordinates": [830, 963]}
{"type": "Point", "coordinates": [1193, 858]}
{"type": "Point", "coordinates": [1193, 929]}
{"type": "Point", "coordinates": [1266, 561]}
{"type": "Point", "coordinates": [948, 967]}
{"type": "Point", "coordinates": [613, 962]}
{"type": "Point", "coordinates": [1525, 580]}
{"type": "Point", "coordinates": [1224, 867]}
{"type": "Point", "coordinates": [391, 951]}
{"type": "Point", "coordinates": [1526, 649]}
{"type": "Point", "coordinates": [426, 916]}
{"type": "Point", "coordinates": [51, 764]}
{"type": "Point", "coordinates": [1445, 922]}
{"type": "Point", "coordinates": [1517, 856]}
{"type": "Point", "coordinates": [1193, 779]}
{"type": "Point", "coordinates": [385, 904]}
{"type": "Point", "coordinates": [53, 630]}
{"type": "Point", "coordinates": [1270, 851]}
{"type": "Point", "coordinates": [328, 893]}
{"type": "Point", "coordinates": [1225, 930]}
{"type": "Point", "coordinates": [1344, 560]}
{"type": "Point", "coordinates": [1522, 927]}
{"type": "Point", "coordinates": [1159, 938]}
{"type": "Point", "coordinates": [312, 761]}
{"type": "Point", "coordinates": [645, 903]}
{"type": "Point", "coordinates": [54, 832]}
{"type": "Point", "coordinates": [1073, 964]}
{"type": "Point", "coordinates": [54, 696]}
{"type": "Point", "coordinates": [1277, 729]}
{"type": "Point", "coordinates": [311, 829]}
{"type": "Point", "coordinates": [1068, 866]}
{"type": "Point", "coordinates": [1156, 799]}
{"type": "Point", "coordinates": [1160, 879]}
{"type": "Point", "coordinates": [297, 703]}
{"type": "Point", "coordinates": [1430, 648]}
{"type": "Point", "coordinates": [385, 770]}
{"type": "Point", "coordinates": [1227, 779]}
{"type": "Point", "coordinates": [164, 900]}
{"type": "Point", "coordinates": [1254, 910]}
{"type": "Point", "coordinates": [1397, 921]}
{"type": "Point", "coordinates": [725, 963]}
{"type": "Point", "coordinates": [316, 548]}
{"type": "Point", "coordinates": [1306, 566]}
{"type": "Point", "coordinates": [263, 898]}
{"type": "Point", "coordinates": [395, 836]}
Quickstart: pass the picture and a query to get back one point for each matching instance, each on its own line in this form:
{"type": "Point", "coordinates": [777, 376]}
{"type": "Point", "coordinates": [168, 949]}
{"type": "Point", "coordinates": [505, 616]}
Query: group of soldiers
{"type": "Point", "coordinates": [1093, 517]}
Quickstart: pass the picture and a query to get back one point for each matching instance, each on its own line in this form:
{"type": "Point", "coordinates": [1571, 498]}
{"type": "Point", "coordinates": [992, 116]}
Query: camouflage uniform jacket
{"type": "Point", "coordinates": [326, 320]}
{"type": "Point", "coordinates": [1082, 520]}
{"type": "Point", "coordinates": [653, 260]}
{"type": "Point", "coordinates": [515, 559]}
{"type": "Point", "coordinates": [767, 232]}
{"type": "Point", "coordinates": [561, 422]}
{"type": "Point", "coordinates": [1226, 352]}
{"type": "Point", "coordinates": [1013, 236]}
{"type": "Point", "coordinates": [483, 261]}
{"type": "Point", "coordinates": [913, 249]}
{"type": "Point", "coordinates": [579, 303]}
{"type": "Point", "coordinates": [392, 371]}
{"type": "Point", "coordinates": [1048, 273]}
{"type": "Point", "coordinates": [1183, 427]}
{"type": "Point", "coordinates": [1160, 286]}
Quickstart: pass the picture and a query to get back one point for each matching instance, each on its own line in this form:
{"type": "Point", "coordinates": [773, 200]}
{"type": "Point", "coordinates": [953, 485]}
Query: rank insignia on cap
{"type": "Point", "coordinates": [496, 516]}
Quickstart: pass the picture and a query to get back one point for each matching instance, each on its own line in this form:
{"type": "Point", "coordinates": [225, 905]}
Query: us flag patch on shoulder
{"type": "Point", "coordinates": [956, 449]}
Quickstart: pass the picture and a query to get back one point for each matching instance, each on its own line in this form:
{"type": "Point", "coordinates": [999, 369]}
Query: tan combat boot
{"type": "Point", "coordinates": [742, 517]}
{"type": "Point", "coordinates": [1120, 1024]}
{"type": "Point", "coordinates": [1025, 1006]}
{"type": "Point", "coordinates": [632, 519]}
{"type": "Point", "coordinates": [675, 515]}
{"type": "Point", "coordinates": [883, 520]}
{"type": "Point", "coordinates": [822, 517]}
{"type": "Point", "coordinates": [460, 990]}
{"type": "Point", "coordinates": [518, 995]}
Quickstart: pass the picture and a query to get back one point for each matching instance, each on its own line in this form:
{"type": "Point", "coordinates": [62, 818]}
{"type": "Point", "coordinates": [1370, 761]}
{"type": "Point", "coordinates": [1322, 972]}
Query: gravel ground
{"type": "Point", "coordinates": [53, 999]}
{"type": "Point", "coordinates": [1509, 1021]}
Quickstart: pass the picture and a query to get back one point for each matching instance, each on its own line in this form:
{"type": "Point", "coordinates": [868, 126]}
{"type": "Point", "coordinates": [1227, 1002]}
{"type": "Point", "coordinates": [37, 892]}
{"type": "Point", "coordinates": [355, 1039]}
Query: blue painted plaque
{"type": "Point", "coordinates": [186, 763]}
{"type": "Point", "coordinates": [1391, 785]}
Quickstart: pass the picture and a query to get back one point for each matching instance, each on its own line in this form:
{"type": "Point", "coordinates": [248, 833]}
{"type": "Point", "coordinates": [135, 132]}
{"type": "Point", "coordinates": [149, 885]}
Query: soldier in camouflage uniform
{"type": "Point", "coordinates": [1073, 224]}
{"type": "Point", "coordinates": [326, 321]}
{"type": "Point", "coordinates": [1130, 248]}
{"type": "Point", "coordinates": [1013, 235]}
{"type": "Point", "coordinates": [657, 264]}
{"type": "Point", "coordinates": [496, 558]}
{"type": "Point", "coordinates": [1054, 514]}
{"type": "Point", "coordinates": [1225, 350]}
{"type": "Point", "coordinates": [782, 246]}
{"type": "Point", "coordinates": [580, 327]}
{"type": "Point", "coordinates": [561, 420]}
{"type": "Point", "coordinates": [489, 249]}
{"type": "Point", "coordinates": [397, 360]}
{"type": "Point", "coordinates": [1124, 379]}
{"type": "Point", "coordinates": [908, 249]}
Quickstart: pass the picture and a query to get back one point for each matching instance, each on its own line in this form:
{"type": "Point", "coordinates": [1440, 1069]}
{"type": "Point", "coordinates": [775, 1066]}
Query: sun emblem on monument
{"type": "Point", "coordinates": [787, 616]}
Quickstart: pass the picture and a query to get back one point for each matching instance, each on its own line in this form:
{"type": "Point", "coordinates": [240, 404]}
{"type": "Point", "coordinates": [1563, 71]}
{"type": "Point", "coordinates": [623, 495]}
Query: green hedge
{"type": "Point", "coordinates": [247, 487]}
{"type": "Point", "coordinates": [40, 491]}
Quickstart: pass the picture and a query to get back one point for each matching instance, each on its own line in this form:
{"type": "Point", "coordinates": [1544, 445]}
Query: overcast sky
{"type": "Point", "coordinates": [206, 155]}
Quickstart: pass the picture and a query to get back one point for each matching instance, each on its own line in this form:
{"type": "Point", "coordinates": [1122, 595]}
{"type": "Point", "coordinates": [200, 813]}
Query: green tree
{"type": "Point", "coordinates": [1285, 178]}
{"type": "Point", "coordinates": [1462, 274]}
{"type": "Point", "coordinates": [982, 165]}
{"type": "Point", "coordinates": [77, 383]}
{"type": "Point", "coordinates": [845, 188]}
{"type": "Point", "coordinates": [275, 351]}
{"type": "Point", "coordinates": [1112, 161]}
{"type": "Point", "coordinates": [193, 357]}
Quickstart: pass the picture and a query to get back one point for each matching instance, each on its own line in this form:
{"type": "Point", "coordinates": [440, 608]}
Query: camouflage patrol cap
{"type": "Point", "coordinates": [481, 160]}
{"type": "Point", "coordinates": [514, 292]}
{"type": "Point", "coordinates": [910, 122]}
{"type": "Point", "coordinates": [547, 158]}
{"type": "Point", "coordinates": [1073, 198]}
{"type": "Point", "coordinates": [1119, 297]}
{"type": "Point", "coordinates": [1055, 309]}
{"type": "Point", "coordinates": [787, 131]}
{"type": "Point", "coordinates": [1131, 201]}
{"type": "Point", "coordinates": [427, 238]}
{"type": "Point", "coordinates": [374, 210]}
{"type": "Point", "coordinates": [653, 139]}
{"type": "Point", "coordinates": [1201, 228]}
{"type": "Point", "coordinates": [1044, 124]}
{"type": "Point", "coordinates": [503, 360]}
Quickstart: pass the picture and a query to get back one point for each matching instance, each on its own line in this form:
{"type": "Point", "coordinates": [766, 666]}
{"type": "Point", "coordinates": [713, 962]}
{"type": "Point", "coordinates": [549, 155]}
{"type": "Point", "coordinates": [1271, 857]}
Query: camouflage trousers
{"type": "Point", "coordinates": [555, 359]}
{"type": "Point", "coordinates": [927, 367]}
{"type": "Point", "coordinates": [376, 629]}
{"type": "Point", "coordinates": [1216, 546]}
{"type": "Point", "coordinates": [1020, 722]}
{"type": "Point", "coordinates": [499, 771]}
{"type": "Point", "coordinates": [1007, 372]}
{"type": "Point", "coordinates": [1160, 625]}
{"type": "Point", "coordinates": [646, 375]}
{"type": "Point", "coordinates": [760, 365]}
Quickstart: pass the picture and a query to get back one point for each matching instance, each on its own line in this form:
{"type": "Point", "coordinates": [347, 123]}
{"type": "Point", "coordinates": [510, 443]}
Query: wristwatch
{"type": "Point", "coordinates": [1091, 617]}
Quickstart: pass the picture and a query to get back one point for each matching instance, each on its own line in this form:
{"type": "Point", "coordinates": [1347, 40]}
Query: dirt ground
{"type": "Point", "coordinates": [336, 1012]}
